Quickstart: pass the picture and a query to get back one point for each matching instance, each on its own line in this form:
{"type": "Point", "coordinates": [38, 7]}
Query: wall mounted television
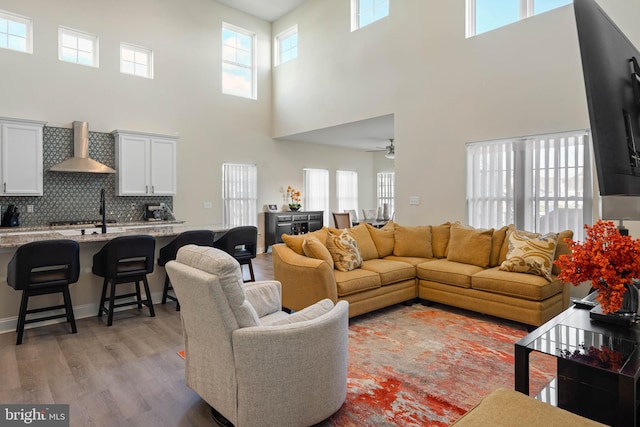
{"type": "Point", "coordinates": [612, 81]}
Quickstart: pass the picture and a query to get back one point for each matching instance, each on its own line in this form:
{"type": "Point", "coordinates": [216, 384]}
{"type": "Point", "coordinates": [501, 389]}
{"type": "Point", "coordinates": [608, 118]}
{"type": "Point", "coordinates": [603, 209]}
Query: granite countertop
{"type": "Point", "coordinates": [17, 236]}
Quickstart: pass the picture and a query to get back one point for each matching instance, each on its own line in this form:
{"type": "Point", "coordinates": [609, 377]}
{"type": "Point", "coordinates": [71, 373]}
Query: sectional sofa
{"type": "Point", "coordinates": [480, 270]}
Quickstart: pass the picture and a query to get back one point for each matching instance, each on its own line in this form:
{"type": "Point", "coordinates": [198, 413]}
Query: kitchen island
{"type": "Point", "coordinates": [85, 294]}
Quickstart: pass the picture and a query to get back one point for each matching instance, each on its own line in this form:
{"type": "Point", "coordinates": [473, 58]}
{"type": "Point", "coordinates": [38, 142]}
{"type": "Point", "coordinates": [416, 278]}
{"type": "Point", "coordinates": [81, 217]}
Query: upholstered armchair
{"type": "Point", "coordinates": [253, 363]}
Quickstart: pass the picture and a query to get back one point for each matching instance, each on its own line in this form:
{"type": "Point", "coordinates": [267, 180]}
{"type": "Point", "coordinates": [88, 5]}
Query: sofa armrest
{"type": "Point", "coordinates": [265, 296]}
{"type": "Point", "coordinates": [305, 280]}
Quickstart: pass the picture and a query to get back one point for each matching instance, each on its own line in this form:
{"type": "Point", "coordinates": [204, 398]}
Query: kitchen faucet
{"type": "Point", "coordinates": [103, 212]}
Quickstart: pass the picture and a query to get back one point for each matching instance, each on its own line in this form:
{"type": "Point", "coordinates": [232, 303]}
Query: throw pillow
{"type": "Point", "coordinates": [383, 238]}
{"type": "Point", "coordinates": [366, 246]}
{"type": "Point", "coordinates": [344, 251]}
{"type": "Point", "coordinates": [562, 248]}
{"type": "Point", "coordinates": [295, 241]}
{"type": "Point", "coordinates": [469, 245]}
{"type": "Point", "coordinates": [314, 248]}
{"type": "Point", "coordinates": [497, 240]}
{"type": "Point", "coordinates": [531, 255]}
{"type": "Point", "coordinates": [505, 244]}
{"type": "Point", "coordinates": [308, 313]}
{"type": "Point", "coordinates": [413, 241]}
{"type": "Point", "coordinates": [440, 239]}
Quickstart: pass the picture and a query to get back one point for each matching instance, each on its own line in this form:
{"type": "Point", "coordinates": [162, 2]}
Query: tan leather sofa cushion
{"type": "Point", "coordinates": [354, 281]}
{"type": "Point", "coordinates": [526, 286]}
{"type": "Point", "coordinates": [295, 241]}
{"type": "Point", "coordinates": [444, 271]}
{"type": "Point", "coordinates": [313, 248]}
{"type": "Point", "coordinates": [383, 238]}
{"type": "Point", "coordinates": [366, 245]}
{"type": "Point", "coordinates": [413, 241]}
{"type": "Point", "coordinates": [469, 245]}
{"type": "Point", "coordinates": [562, 248]}
{"type": "Point", "coordinates": [497, 240]}
{"type": "Point", "coordinates": [440, 239]}
{"type": "Point", "coordinates": [390, 271]}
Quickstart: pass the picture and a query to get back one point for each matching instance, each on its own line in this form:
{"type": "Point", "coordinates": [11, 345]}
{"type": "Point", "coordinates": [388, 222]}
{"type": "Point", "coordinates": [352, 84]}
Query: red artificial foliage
{"type": "Point", "coordinates": [606, 258]}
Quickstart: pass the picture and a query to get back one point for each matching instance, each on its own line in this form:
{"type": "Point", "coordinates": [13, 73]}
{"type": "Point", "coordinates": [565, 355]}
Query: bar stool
{"type": "Point", "coordinates": [241, 243]}
{"type": "Point", "coordinates": [41, 268]}
{"type": "Point", "coordinates": [169, 252]}
{"type": "Point", "coordinates": [125, 259]}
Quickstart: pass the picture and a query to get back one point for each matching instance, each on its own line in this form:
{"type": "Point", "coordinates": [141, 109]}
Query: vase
{"type": "Point", "coordinates": [294, 208]}
{"type": "Point", "coordinates": [626, 314]}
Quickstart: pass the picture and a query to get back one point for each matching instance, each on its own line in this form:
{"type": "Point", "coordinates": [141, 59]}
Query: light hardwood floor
{"type": "Point", "coordinates": [128, 374]}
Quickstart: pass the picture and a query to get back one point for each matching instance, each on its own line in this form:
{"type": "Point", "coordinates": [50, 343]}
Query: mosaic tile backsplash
{"type": "Point", "coordinates": [76, 196]}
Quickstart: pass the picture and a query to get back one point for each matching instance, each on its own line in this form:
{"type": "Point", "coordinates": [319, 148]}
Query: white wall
{"type": "Point", "coordinates": [183, 99]}
{"type": "Point", "coordinates": [444, 90]}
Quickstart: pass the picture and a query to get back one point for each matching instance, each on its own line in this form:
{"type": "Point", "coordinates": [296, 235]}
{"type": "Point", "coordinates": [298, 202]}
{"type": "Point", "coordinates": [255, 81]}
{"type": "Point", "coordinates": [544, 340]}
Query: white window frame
{"type": "Point", "coordinates": [531, 182]}
{"type": "Point", "coordinates": [28, 22]}
{"type": "Point", "coordinates": [347, 190]}
{"type": "Point", "coordinates": [92, 38]}
{"type": "Point", "coordinates": [137, 50]}
{"type": "Point", "coordinates": [279, 40]}
{"type": "Point", "coordinates": [527, 10]}
{"type": "Point", "coordinates": [315, 191]}
{"type": "Point", "coordinates": [252, 68]}
{"type": "Point", "coordinates": [239, 194]}
{"type": "Point", "coordinates": [355, 13]}
{"type": "Point", "coordinates": [385, 190]}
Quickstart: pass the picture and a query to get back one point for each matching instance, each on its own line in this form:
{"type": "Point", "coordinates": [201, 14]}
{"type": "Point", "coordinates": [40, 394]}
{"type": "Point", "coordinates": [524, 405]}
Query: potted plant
{"type": "Point", "coordinates": [294, 197]}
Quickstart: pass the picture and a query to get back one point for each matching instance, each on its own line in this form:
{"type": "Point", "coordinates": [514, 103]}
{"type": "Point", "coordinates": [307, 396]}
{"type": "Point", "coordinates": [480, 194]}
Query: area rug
{"type": "Point", "coordinates": [428, 365]}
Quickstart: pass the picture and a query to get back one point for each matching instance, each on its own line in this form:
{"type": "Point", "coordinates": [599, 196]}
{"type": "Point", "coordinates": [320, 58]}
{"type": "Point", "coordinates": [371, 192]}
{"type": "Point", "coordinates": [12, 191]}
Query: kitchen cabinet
{"type": "Point", "coordinates": [278, 223]}
{"type": "Point", "coordinates": [145, 164]}
{"type": "Point", "coordinates": [21, 167]}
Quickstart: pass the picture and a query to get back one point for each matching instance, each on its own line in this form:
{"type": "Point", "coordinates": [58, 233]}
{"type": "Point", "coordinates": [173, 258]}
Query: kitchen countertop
{"type": "Point", "coordinates": [16, 236]}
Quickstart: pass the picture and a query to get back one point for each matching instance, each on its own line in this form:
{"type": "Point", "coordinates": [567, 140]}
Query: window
{"type": "Point", "coordinates": [239, 194]}
{"type": "Point", "coordinates": [315, 191]}
{"type": "Point", "coordinates": [540, 183]}
{"type": "Point", "coordinates": [347, 190]}
{"type": "Point", "coordinates": [238, 63]}
{"type": "Point", "coordinates": [364, 12]}
{"type": "Point", "coordinates": [487, 15]}
{"type": "Point", "coordinates": [16, 32]}
{"type": "Point", "coordinates": [77, 47]}
{"type": "Point", "coordinates": [385, 185]}
{"type": "Point", "coordinates": [286, 45]}
{"type": "Point", "coordinates": [136, 60]}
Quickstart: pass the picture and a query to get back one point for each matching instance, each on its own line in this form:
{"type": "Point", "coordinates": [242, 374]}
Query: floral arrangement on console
{"type": "Point", "coordinates": [606, 258]}
{"type": "Point", "coordinates": [295, 198]}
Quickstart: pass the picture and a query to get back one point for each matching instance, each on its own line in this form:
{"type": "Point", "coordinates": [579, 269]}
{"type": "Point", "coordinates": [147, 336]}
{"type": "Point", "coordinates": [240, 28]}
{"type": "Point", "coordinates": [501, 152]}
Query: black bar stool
{"type": "Point", "coordinates": [125, 259]}
{"type": "Point", "coordinates": [169, 252]}
{"type": "Point", "coordinates": [41, 268]}
{"type": "Point", "coordinates": [241, 243]}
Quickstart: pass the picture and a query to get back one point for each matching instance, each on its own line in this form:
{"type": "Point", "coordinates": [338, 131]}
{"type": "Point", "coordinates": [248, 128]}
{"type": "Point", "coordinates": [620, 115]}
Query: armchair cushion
{"type": "Point", "coordinates": [308, 313]}
{"type": "Point", "coordinates": [265, 297]}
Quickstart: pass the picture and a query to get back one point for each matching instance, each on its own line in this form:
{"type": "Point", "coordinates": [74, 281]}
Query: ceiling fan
{"type": "Point", "coordinates": [390, 150]}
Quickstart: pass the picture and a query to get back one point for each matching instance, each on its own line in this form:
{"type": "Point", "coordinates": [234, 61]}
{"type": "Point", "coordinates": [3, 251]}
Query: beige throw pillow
{"type": "Point", "coordinates": [469, 245]}
{"type": "Point", "coordinates": [413, 241]}
{"type": "Point", "coordinates": [314, 248]}
{"type": "Point", "coordinates": [383, 238]}
{"type": "Point", "coordinates": [531, 255]}
{"type": "Point", "coordinates": [344, 251]}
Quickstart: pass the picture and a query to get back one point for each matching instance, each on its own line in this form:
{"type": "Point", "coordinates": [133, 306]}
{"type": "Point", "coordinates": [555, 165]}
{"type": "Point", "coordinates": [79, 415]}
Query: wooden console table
{"type": "Point", "coordinates": [278, 223]}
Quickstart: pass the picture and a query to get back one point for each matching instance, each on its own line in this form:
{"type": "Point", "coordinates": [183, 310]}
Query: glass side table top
{"type": "Point", "coordinates": [591, 348]}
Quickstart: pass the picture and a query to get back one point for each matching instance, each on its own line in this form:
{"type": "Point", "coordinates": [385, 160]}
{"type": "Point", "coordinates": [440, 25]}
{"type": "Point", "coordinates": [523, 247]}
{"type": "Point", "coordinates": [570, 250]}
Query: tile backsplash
{"type": "Point", "coordinates": [76, 196]}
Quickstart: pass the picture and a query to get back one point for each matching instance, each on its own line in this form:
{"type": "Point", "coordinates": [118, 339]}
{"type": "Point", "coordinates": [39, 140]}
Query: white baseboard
{"type": "Point", "coordinates": [9, 324]}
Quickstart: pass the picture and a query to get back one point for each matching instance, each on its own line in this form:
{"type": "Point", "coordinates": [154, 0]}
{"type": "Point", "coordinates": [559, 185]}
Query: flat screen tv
{"type": "Point", "coordinates": [612, 81]}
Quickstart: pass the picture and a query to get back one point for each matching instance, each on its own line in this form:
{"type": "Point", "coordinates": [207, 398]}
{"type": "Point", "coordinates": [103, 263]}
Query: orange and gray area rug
{"type": "Point", "coordinates": [428, 365]}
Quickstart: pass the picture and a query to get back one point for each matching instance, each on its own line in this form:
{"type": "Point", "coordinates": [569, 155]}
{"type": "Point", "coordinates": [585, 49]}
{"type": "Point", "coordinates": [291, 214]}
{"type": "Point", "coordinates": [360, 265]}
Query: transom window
{"type": "Point", "coordinates": [16, 32]}
{"type": "Point", "coordinates": [487, 15]}
{"type": "Point", "coordinates": [239, 194]}
{"type": "Point", "coordinates": [365, 12]}
{"type": "Point", "coordinates": [136, 60]}
{"type": "Point", "coordinates": [77, 47]}
{"type": "Point", "coordinates": [238, 62]}
{"type": "Point", "coordinates": [287, 45]}
{"type": "Point", "coordinates": [539, 183]}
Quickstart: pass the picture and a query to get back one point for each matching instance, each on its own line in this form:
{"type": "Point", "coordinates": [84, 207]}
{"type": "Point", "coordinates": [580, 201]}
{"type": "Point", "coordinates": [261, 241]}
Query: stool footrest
{"type": "Point", "coordinates": [42, 319]}
{"type": "Point", "coordinates": [40, 310]}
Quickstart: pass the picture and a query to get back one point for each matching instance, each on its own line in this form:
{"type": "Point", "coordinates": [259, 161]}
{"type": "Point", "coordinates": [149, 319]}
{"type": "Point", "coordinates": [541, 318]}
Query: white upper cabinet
{"type": "Point", "coordinates": [145, 164]}
{"type": "Point", "coordinates": [21, 163]}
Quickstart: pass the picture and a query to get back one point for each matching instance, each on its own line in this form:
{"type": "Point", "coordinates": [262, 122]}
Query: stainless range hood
{"type": "Point", "coordinates": [80, 162]}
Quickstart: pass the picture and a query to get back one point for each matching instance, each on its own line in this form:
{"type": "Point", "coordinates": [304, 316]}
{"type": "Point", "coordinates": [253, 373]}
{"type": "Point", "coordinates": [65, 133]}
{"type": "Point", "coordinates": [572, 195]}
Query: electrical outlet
{"type": "Point", "coordinates": [133, 206]}
{"type": "Point", "coordinates": [414, 200]}
{"type": "Point", "coordinates": [208, 205]}
{"type": "Point", "coordinates": [29, 208]}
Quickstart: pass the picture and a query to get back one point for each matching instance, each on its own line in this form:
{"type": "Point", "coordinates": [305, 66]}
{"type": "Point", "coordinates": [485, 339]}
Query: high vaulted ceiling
{"type": "Point", "coordinates": [269, 10]}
